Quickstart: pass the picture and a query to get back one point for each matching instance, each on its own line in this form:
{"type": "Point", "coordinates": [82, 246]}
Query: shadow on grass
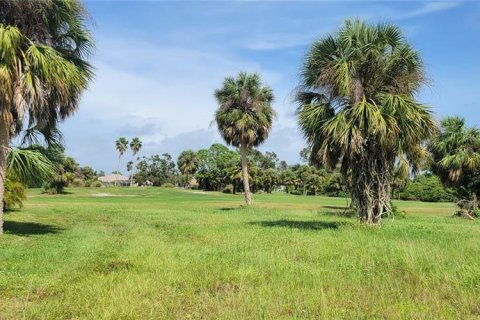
{"type": "Point", "coordinates": [335, 207]}
{"type": "Point", "coordinates": [306, 225]}
{"type": "Point", "coordinates": [230, 209]}
{"type": "Point", "coordinates": [28, 228]}
{"type": "Point", "coordinates": [337, 213]}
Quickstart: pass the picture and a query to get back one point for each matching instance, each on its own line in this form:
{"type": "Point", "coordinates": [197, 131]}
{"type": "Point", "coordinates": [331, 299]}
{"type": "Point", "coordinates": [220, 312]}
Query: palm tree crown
{"type": "Point", "coordinates": [357, 108]}
{"type": "Point", "coordinates": [245, 114]}
{"type": "Point", "coordinates": [121, 145]}
{"type": "Point", "coordinates": [188, 162]}
{"type": "Point", "coordinates": [455, 151]}
{"type": "Point", "coordinates": [135, 145]}
{"type": "Point", "coordinates": [44, 47]}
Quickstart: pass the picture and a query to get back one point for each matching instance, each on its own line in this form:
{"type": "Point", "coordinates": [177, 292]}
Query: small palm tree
{"type": "Point", "coordinates": [121, 145]}
{"type": "Point", "coordinates": [357, 108]}
{"type": "Point", "coordinates": [244, 117]}
{"type": "Point", "coordinates": [456, 155]}
{"type": "Point", "coordinates": [44, 48]}
{"type": "Point", "coordinates": [130, 167]}
{"type": "Point", "coordinates": [188, 163]}
{"type": "Point", "coordinates": [135, 146]}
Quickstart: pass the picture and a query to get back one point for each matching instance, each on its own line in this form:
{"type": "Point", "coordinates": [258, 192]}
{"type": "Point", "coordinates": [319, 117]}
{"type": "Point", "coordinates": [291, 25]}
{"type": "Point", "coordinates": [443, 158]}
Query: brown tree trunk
{"type": "Point", "coordinates": [118, 170]}
{"type": "Point", "coordinates": [4, 143]}
{"type": "Point", "coordinates": [474, 201]}
{"type": "Point", "coordinates": [131, 174]}
{"type": "Point", "coordinates": [246, 185]}
{"type": "Point", "coordinates": [371, 188]}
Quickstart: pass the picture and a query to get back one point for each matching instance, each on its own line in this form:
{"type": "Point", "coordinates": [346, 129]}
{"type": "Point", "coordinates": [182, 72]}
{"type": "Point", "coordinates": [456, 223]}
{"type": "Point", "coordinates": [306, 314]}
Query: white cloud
{"type": "Point", "coordinates": [431, 7]}
{"type": "Point", "coordinates": [163, 94]}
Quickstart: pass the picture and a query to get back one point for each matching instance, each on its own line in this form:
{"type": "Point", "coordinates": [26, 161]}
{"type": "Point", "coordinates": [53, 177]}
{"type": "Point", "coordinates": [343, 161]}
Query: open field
{"type": "Point", "coordinates": [172, 254]}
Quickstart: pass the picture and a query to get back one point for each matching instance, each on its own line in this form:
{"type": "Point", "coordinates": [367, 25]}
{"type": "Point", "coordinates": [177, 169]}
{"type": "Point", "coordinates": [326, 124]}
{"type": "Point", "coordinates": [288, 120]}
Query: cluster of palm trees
{"type": "Point", "coordinates": [122, 146]}
{"type": "Point", "coordinates": [358, 111]}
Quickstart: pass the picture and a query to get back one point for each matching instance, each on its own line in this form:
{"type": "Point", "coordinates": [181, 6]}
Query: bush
{"type": "Point", "coordinates": [14, 194]}
{"type": "Point", "coordinates": [428, 188]}
{"type": "Point", "coordinates": [228, 189]}
{"type": "Point", "coordinates": [77, 183]}
{"type": "Point", "coordinates": [167, 185]}
{"type": "Point", "coordinates": [96, 184]}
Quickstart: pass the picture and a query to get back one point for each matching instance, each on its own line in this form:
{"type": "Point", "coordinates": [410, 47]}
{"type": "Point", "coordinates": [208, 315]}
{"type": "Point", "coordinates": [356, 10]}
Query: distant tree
{"type": "Point", "coordinates": [156, 169]}
{"type": "Point", "coordinates": [357, 108]}
{"type": "Point", "coordinates": [289, 180]}
{"type": "Point", "coordinates": [305, 155]}
{"type": "Point", "coordinates": [456, 157]}
{"type": "Point", "coordinates": [130, 168]}
{"type": "Point", "coordinates": [44, 46]}
{"type": "Point", "coordinates": [121, 145]}
{"type": "Point", "coordinates": [244, 117]}
{"type": "Point", "coordinates": [427, 187]}
{"type": "Point", "coordinates": [282, 166]}
{"type": "Point", "coordinates": [135, 146]}
{"type": "Point", "coordinates": [188, 163]}
{"type": "Point", "coordinates": [270, 178]}
{"type": "Point", "coordinates": [215, 167]}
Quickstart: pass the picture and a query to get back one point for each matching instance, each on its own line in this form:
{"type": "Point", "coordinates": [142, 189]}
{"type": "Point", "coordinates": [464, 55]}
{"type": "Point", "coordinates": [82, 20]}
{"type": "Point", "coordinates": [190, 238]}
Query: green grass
{"type": "Point", "coordinates": [171, 254]}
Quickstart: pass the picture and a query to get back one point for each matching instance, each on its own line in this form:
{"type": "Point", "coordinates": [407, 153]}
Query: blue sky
{"type": "Point", "coordinates": [158, 63]}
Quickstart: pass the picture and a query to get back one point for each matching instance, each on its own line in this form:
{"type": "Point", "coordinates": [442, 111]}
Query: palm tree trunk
{"type": "Point", "coordinates": [118, 170]}
{"type": "Point", "coordinates": [133, 170]}
{"type": "Point", "coordinates": [474, 201]}
{"type": "Point", "coordinates": [246, 185]}
{"type": "Point", "coordinates": [4, 142]}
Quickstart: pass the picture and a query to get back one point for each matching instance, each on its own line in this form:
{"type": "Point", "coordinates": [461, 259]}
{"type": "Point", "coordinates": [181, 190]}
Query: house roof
{"type": "Point", "coordinates": [113, 177]}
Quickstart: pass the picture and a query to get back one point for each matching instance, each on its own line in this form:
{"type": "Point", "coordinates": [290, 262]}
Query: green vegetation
{"type": "Point", "coordinates": [44, 46]}
{"type": "Point", "coordinates": [456, 158]}
{"type": "Point", "coordinates": [155, 253]}
{"type": "Point", "coordinates": [188, 164]}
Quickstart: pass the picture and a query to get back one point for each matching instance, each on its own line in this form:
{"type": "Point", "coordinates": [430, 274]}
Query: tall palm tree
{"type": "Point", "coordinates": [357, 108]}
{"type": "Point", "coordinates": [135, 146]}
{"type": "Point", "coordinates": [244, 117]}
{"type": "Point", "coordinates": [188, 163]}
{"type": "Point", "coordinates": [121, 145]}
{"type": "Point", "coordinates": [44, 47]}
{"type": "Point", "coordinates": [456, 155]}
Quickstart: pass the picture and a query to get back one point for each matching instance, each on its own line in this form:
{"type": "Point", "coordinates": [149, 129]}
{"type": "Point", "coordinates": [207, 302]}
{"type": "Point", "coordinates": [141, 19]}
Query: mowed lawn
{"type": "Point", "coordinates": [152, 253]}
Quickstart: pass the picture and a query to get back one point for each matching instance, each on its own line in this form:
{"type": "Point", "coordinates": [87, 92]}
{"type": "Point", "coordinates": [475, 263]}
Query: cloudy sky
{"type": "Point", "coordinates": [158, 64]}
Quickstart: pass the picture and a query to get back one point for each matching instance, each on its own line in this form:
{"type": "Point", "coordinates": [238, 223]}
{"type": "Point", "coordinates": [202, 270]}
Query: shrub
{"type": "Point", "coordinates": [427, 187]}
{"type": "Point", "coordinates": [77, 183]}
{"type": "Point", "coordinates": [14, 194]}
{"type": "Point", "coordinates": [96, 184]}
{"type": "Point", "coordinates": [228, 189]}
{"type": "Point", "coordinates": [167, 185]}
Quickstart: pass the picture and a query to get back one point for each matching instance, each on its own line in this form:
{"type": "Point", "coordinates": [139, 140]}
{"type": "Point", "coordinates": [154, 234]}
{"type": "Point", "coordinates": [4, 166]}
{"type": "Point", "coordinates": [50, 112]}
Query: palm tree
{"type": "Point", "coordinates": [244, 117]}
{"type": "Point", "coordinates": [130, 168]}
{"type": "Point", "coordinates": [135, 146]}
{"type": "Point", "coordinates": [456, 156]}
{"type": "Point", "coordinates": [188, 163]}
{"type": "Point", "coordinates": [121, 145]}
{"type": "Point", "coordinates": [357, 108]}
{"type": "Point", "coordinates": [44, 46]}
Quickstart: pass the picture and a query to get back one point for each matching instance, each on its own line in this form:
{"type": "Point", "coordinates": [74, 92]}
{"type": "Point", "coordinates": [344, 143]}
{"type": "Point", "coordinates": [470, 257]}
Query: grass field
{"type": "Point", "coordinates": [172, 254]}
